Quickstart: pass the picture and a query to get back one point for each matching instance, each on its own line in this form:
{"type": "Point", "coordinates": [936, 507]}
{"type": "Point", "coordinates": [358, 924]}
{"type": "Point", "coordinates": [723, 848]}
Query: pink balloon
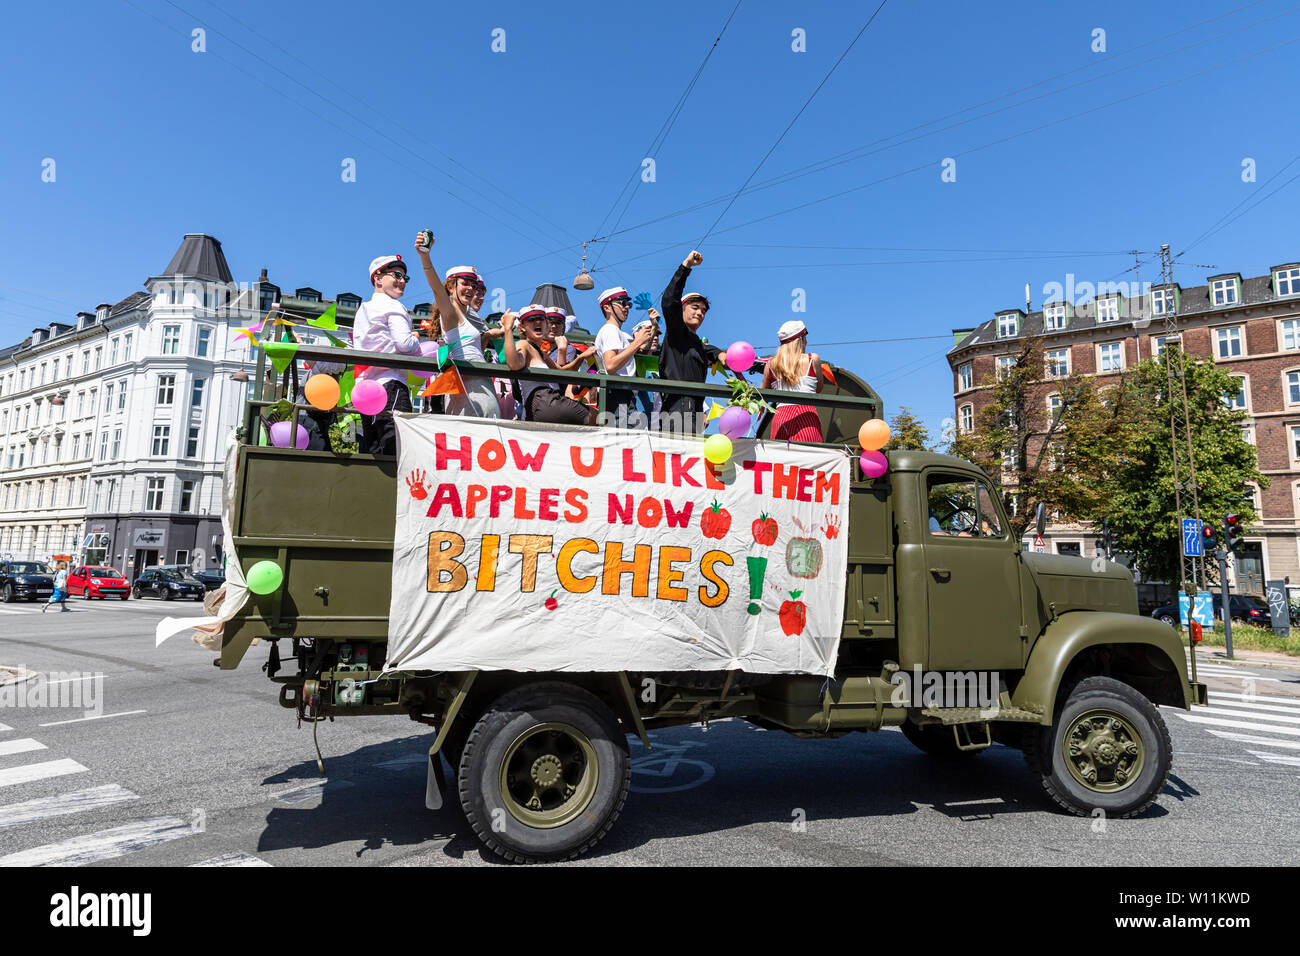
{"type": "Point", "coordinates": [428, 349]}
{"type": "Point", "coordinates": [733, 422]}
{"type": "Point", "coordinates": [874, 463]}
{"type": "Point", "coordinates": [282, 433]}
{"type": "Point", "coordinates": [740, 356]}
{"type": "Point", "coordinates": [369, 398]}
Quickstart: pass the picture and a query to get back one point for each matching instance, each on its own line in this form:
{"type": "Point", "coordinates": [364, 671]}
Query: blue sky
{"type": "Point", "coordinates": [511, 155]}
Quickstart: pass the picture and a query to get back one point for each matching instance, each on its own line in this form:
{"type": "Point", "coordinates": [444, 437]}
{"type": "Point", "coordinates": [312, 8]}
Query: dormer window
{"type": "Point", "coordinates": [1054, 317]}
{"type": "Point", "coordinates": [1224, 291]}
{"type": "Point", "coordinates": [1162, 302]}
{"type": "Point", "coordinates": [1108, 310]}
{"type": "Point", "coordinates": [1008, 325]}
{"type": "Point", "coordinates": [307, 295]}
{"type": "Point", "coordinates": [1286, 281]}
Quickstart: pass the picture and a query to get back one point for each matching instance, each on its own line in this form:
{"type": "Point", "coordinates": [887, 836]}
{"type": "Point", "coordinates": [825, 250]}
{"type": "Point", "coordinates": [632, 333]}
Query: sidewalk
{"type": "Point", "coordinates": [1247, 658]}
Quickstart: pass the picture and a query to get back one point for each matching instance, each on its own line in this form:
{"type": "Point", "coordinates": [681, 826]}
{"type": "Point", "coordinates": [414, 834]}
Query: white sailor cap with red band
{"type": "Point", "coordinates": [457, 272]}
{"type": "Point", "coordinates": [533, 311]}
{"type": "Point", "coordinates": [383, 262]}
{"type": "Point", "coordinates": [478, 280]}
{"type": "Point", "coordinates": [789, 331]}
{"type": "Point", "coordinates": [693, 295]}
{"type": "Point", "coordinates": [554, 313]}
{"type": "Point", "coordinates": [609, 295]}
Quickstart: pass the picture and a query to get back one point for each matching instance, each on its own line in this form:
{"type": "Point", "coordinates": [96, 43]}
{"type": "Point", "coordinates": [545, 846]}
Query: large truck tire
{"type": "Point", "coordinates": [937, 740]}
{"type": "Point", "coordinates": [544, 773]}
{"type": "Point", "coordinates": [1108, 750]}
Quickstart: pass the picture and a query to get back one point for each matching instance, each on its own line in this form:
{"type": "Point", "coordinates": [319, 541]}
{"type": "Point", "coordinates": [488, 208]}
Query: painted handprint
{"type": "Point", "coordinates": [832, 527]}
{"type": "Point", "coordinates": [415, 482]}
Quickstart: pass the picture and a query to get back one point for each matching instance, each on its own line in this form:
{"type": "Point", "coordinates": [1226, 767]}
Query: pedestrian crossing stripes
{"type": "Point", "coordinates": [233, 859]}
{"type": "Point", "coordinates": [104, 845]}
{"type": "Point", "coordinates": [18, 814]}
{"type": "Point", "coordinates": [1276, 716]}
{"type": "Point", "coordinates": [1276, 758]}
{"type": "Point", "coordinates": [39, 771]}
{"type": "Point", "coordinates": [25, 745]}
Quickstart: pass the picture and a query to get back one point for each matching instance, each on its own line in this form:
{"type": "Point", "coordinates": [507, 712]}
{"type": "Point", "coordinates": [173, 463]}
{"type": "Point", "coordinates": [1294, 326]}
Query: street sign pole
{"type": "Point", "coordinates": [1222, 555]}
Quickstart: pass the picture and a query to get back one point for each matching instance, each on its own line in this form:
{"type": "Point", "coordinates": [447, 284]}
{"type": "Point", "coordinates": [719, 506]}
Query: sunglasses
{"type": "Point", "coordinates": [625, 303]}
{"type": "Point", "coordinates": [396, 275]}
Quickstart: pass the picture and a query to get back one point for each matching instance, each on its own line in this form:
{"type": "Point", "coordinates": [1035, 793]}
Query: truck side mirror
{"type": "Point", "coordinates": [1040, 519]}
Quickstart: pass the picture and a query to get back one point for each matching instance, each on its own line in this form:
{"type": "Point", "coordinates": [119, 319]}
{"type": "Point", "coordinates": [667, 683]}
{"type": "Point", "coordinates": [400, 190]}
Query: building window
{"type": "Point", "coordinates": [103, 445]}
{"type": "Point", "coordinates": [112, 351]}
{"type": "Point", "coordinates": [67, 366]}
{"type": "Point", "coordinates": [1162, 301]}
{"type": "Point", "coordinates": [192, 443]}
{"type": "Point", "coordinates": [1295, 442]}
{"type": "Point", "coordinates": [1110, 357]}
{"type": "Point", "coordinates": [1287, 281]}
{"type": "Point", "coordinates": [108, 396]}
{"type": "Point", "coordinates": [1293, 388]}
{"type": "Point", "coordinates": [1291, 334]}
{"type": "Point", "coordinates": [1239, 400]}
{"type": "Point", "coordinates": [1223, 291]}
{"type": "Point", "coordinates": [1058, 363]}
{"type": "Point", "coordinates": [1108, 310]}
{"type": "Point", "coordinates": [1005, 363]}
{"type": "Point", "coordinates": [126, 347]}
{"type": "Point", "coordinates": [1053, 406]}
{"type": "Point", "coordinates": [153, 498]}
{"type": "Point", "coordinates": [205, 338]}
{"type": "Point", "coordinates": [171, 340]}
{"type": "Point", "coordinates": [964, 377]}
{"type": "Point", "coordinates": [966, 419]}
{"type": "Point", "coordinates": [85, 362]}
{"type": "Point", "coordinates": [166, 389]}
{"type": "Point", "coordinates": [187, 500]}
{"type": "Point", "coordinates": [1011, 459]}
{"type": "Point", "coordinates": [196, 394]}
{"type": "Point", "coordinates": [1008, 325]}
{"type": "Point", "coordinates": [1228, 342]}
{"type": "Point", "coordinates": [1054, 317]}
{"type": "Point", "coordinates": [161, 438]}
{"type": "Point", "coordinates": [117, 443]}
{"type": "Point", "coordinates": [121, 395]}
{"type": "Point", "coordinates": [99, 357]}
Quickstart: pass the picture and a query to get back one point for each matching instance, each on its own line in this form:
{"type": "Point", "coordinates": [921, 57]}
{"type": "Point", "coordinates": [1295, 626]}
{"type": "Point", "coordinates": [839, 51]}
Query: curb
{"type": "Point", "coordinates": [1247, 662]}
{"type": "Point", "coordinates": [15, 675]}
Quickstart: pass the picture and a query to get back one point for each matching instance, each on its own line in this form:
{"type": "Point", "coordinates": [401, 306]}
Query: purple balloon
{"type": "Point", "coordinates": [874, 463]}
{"type": "Point", "coordinates": [282, 434]}
{"type": "Point", "coordinates": [428, 349]}
{"type": "Point", "coordinates": [733, 422]}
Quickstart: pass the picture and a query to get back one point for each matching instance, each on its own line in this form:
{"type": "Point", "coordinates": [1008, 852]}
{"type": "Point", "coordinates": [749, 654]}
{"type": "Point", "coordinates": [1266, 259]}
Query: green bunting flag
{"type": "Point", "coordinates": [326, 320]}
{"type": "Point", "coordinates": [346, 381]}
{"type": "Point", "coordinates": [281, 354]}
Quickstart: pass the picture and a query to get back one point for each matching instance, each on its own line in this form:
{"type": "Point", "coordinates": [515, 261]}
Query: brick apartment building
{"type": "Point", "coordinates": [1251, 326]}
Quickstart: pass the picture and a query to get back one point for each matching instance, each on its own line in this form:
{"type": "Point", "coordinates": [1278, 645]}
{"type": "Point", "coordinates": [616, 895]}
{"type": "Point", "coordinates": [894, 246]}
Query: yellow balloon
{"type": "Point", "coordinates": [322, 392]}
{"type": "Point", "coordinates": [873, 435]}
{"type": "Point", "coordinates": [717, 448]}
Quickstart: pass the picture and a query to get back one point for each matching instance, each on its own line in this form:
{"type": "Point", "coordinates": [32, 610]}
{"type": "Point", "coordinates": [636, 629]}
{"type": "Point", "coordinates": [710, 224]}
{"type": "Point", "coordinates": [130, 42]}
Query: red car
{"type": "Point", "coordinates": [94, 582]}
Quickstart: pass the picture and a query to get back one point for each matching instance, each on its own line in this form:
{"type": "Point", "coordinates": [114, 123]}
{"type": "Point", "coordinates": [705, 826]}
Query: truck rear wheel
{"type": "Point", "coordinates": [937, 740]}
{"type": "Point", "coordinates": [1108, 750]}
{"type": "Point", "coordinates": [544, 773]}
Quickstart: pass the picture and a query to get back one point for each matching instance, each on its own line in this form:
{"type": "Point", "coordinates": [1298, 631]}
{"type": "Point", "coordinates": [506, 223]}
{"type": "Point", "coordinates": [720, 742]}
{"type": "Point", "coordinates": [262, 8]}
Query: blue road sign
{"type": "Point", "coordinates": [1192, 538]}
{"type": "Point", "coordinates": [1202, 612]}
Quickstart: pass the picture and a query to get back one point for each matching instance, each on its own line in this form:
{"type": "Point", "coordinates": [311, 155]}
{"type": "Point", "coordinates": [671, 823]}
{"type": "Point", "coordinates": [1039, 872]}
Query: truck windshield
{"type": "Point", "coordinates": [962, 508]}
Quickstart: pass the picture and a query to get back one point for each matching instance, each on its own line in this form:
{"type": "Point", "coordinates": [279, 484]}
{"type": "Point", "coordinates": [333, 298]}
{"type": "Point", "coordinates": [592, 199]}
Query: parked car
{"type": "Point", "coordinates": [92, 581]}
{"type": "Point", "coordinates": [25, 580]}
{"type": "Point", "coordinates": [168, 585]}
{"type": "Point", "coordinates": [211, 579]}
{"type": "Point", "coordinates": [1243, 609]}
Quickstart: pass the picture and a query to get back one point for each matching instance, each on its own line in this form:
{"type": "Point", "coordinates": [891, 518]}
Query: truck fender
{"type": "Point", "coordinates": [1083, 632]}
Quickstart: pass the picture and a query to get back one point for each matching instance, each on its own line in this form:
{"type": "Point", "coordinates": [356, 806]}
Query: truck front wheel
{"type": "Point", "coordinates": [544, 773]}
{"type": "Point", "coordinates": [1108, 750]}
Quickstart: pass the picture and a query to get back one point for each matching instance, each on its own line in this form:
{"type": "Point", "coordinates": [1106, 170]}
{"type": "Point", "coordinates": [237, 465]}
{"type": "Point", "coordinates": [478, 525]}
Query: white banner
{"type": "Point", "coordinates": [555, 548]}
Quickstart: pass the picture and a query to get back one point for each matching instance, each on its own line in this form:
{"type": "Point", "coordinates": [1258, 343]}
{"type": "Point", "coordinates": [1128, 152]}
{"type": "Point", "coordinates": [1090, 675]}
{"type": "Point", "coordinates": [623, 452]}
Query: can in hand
{"type": "Point", "coordinates": [426, 238]}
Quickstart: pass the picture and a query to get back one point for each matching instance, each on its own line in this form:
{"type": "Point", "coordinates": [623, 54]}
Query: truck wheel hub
{"type": "Point", "coordinates": [546, 770]}
{"type": "Point", "coordinates": [548, 775]}
{"type": "Point", "coordinates": [1103, 751]}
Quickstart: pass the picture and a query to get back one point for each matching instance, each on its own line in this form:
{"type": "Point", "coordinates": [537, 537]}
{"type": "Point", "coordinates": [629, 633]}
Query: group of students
{"type": "Point", "coordinates": [382, 324]}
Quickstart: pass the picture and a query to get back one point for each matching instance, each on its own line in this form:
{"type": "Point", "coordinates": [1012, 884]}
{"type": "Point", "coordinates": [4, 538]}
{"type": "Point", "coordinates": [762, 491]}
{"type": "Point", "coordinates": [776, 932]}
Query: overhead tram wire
{"type": "Point", "coordinates": [341, 109]}
{"type": "Point", "coordinates": [892, 262]}
{"type": "Point", "coordinates": [660, 137]}
{"type": "Point", "coordinates": [415, 136]}
{"type": "Point", "coordinates": [1224, 221]}
{"type": "Point", "coordinates": [835, 160]}
{"type": "Point", "coordinates": [790, 126]}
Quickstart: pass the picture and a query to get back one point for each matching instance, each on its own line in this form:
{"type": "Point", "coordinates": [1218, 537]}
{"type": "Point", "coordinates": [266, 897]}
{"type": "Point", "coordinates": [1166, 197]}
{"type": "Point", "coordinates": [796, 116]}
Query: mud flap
{"type": "Point", "coordinates": [435, 784]}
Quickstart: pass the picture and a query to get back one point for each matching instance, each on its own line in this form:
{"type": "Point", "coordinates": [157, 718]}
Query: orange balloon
{"type": "Point", "coordinates": [322, 391]}
{"type": "Point", "coordinates": [873, 435]}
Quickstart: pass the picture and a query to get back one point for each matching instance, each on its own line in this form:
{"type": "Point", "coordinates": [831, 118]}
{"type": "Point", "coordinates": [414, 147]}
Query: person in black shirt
{"type": "Point", "coordinates": [683, 354]}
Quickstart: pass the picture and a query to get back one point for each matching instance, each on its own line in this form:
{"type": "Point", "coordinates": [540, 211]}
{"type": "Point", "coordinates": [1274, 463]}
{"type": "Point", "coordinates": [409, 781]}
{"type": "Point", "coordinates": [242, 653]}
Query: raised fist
{"type": "Point", "coordinates": [693, 260]}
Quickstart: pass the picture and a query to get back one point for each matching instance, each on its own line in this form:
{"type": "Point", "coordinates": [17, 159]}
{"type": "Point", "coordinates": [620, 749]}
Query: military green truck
{"type": "Point", "coordinates": [952, 631]}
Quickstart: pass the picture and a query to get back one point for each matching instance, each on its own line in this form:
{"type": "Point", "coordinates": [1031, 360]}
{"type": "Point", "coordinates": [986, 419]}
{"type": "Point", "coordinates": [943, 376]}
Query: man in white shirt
{"type": "Point", "coordinates": [617, 351]}
{"type": "Point", "coordinates": [383, 325]}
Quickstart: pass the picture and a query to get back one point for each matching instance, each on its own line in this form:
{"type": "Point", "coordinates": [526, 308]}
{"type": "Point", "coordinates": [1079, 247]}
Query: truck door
{"type": "Point", "coordinates": [972, 577]}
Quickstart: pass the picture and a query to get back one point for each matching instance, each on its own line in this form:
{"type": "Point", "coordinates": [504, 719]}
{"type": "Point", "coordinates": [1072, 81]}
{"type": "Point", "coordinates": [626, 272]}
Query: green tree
{"type": "Point", "coordinates": [1060, 454]}
{"type": "Point", "coordinates": [907, 432]}
{"type": "Point", "coordinates": [1140, 503]}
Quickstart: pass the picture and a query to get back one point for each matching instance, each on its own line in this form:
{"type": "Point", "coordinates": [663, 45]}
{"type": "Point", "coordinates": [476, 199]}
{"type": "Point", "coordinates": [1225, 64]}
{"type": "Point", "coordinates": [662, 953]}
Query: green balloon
{"type": "Point", "coordinates": [265, 577]}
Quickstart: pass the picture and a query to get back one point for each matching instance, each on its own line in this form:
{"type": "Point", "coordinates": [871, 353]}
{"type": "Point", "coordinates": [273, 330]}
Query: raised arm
{"type": "Point", "coordinates": [671, 300]}
{"type": "Point", "coordinates": [516, 358]}
{"type": "Point", "coordinates": [449, 317]}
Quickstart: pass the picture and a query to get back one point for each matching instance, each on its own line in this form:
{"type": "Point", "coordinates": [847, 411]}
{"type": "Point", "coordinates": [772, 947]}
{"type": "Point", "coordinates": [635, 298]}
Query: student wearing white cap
{"type": "Point", "coordinates": [649, 402]}
{"type": "Point", "coordinates": [383, 325]}
{"type": "Point", "coordinates": [616, 350]}
{"type": "Point", "coordinates": [684, 355]}
{"type": "Point", "coordinates": [454, 297]}
{"type": "Point", "coordinates": [542, 401]}
{"type": "Point", "coordinates": [794, 370]}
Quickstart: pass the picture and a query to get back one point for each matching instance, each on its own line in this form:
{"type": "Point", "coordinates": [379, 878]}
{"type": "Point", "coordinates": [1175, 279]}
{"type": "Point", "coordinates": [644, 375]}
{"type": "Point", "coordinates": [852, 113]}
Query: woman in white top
{"type": "Point", "coordinates": [794, 370]}
{"type": "Point", "coordinates": [461, 336]}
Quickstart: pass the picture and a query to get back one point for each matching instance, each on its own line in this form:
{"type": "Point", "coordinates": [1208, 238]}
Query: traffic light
{"type": "Point", "coordinates": [1207, 532]}
{"type": "Point", "coordinates": [1232, 532]}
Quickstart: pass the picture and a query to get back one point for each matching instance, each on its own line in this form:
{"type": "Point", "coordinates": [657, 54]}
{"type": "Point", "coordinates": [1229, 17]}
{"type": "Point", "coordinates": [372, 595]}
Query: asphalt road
{"type": "Point", "coordinates": [181, 764]}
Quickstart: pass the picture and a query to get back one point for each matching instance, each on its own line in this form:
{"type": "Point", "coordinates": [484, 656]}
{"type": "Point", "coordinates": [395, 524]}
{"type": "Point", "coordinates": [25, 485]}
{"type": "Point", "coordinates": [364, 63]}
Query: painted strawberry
{"type": "Point", "coordinates": [551, 604]}
{"type": "Point", "coordinates": [715, 522]}
{"type": "Point", "coordinates": [764, 529]}
{"type": "Point", "coordinates": [793, 615]}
